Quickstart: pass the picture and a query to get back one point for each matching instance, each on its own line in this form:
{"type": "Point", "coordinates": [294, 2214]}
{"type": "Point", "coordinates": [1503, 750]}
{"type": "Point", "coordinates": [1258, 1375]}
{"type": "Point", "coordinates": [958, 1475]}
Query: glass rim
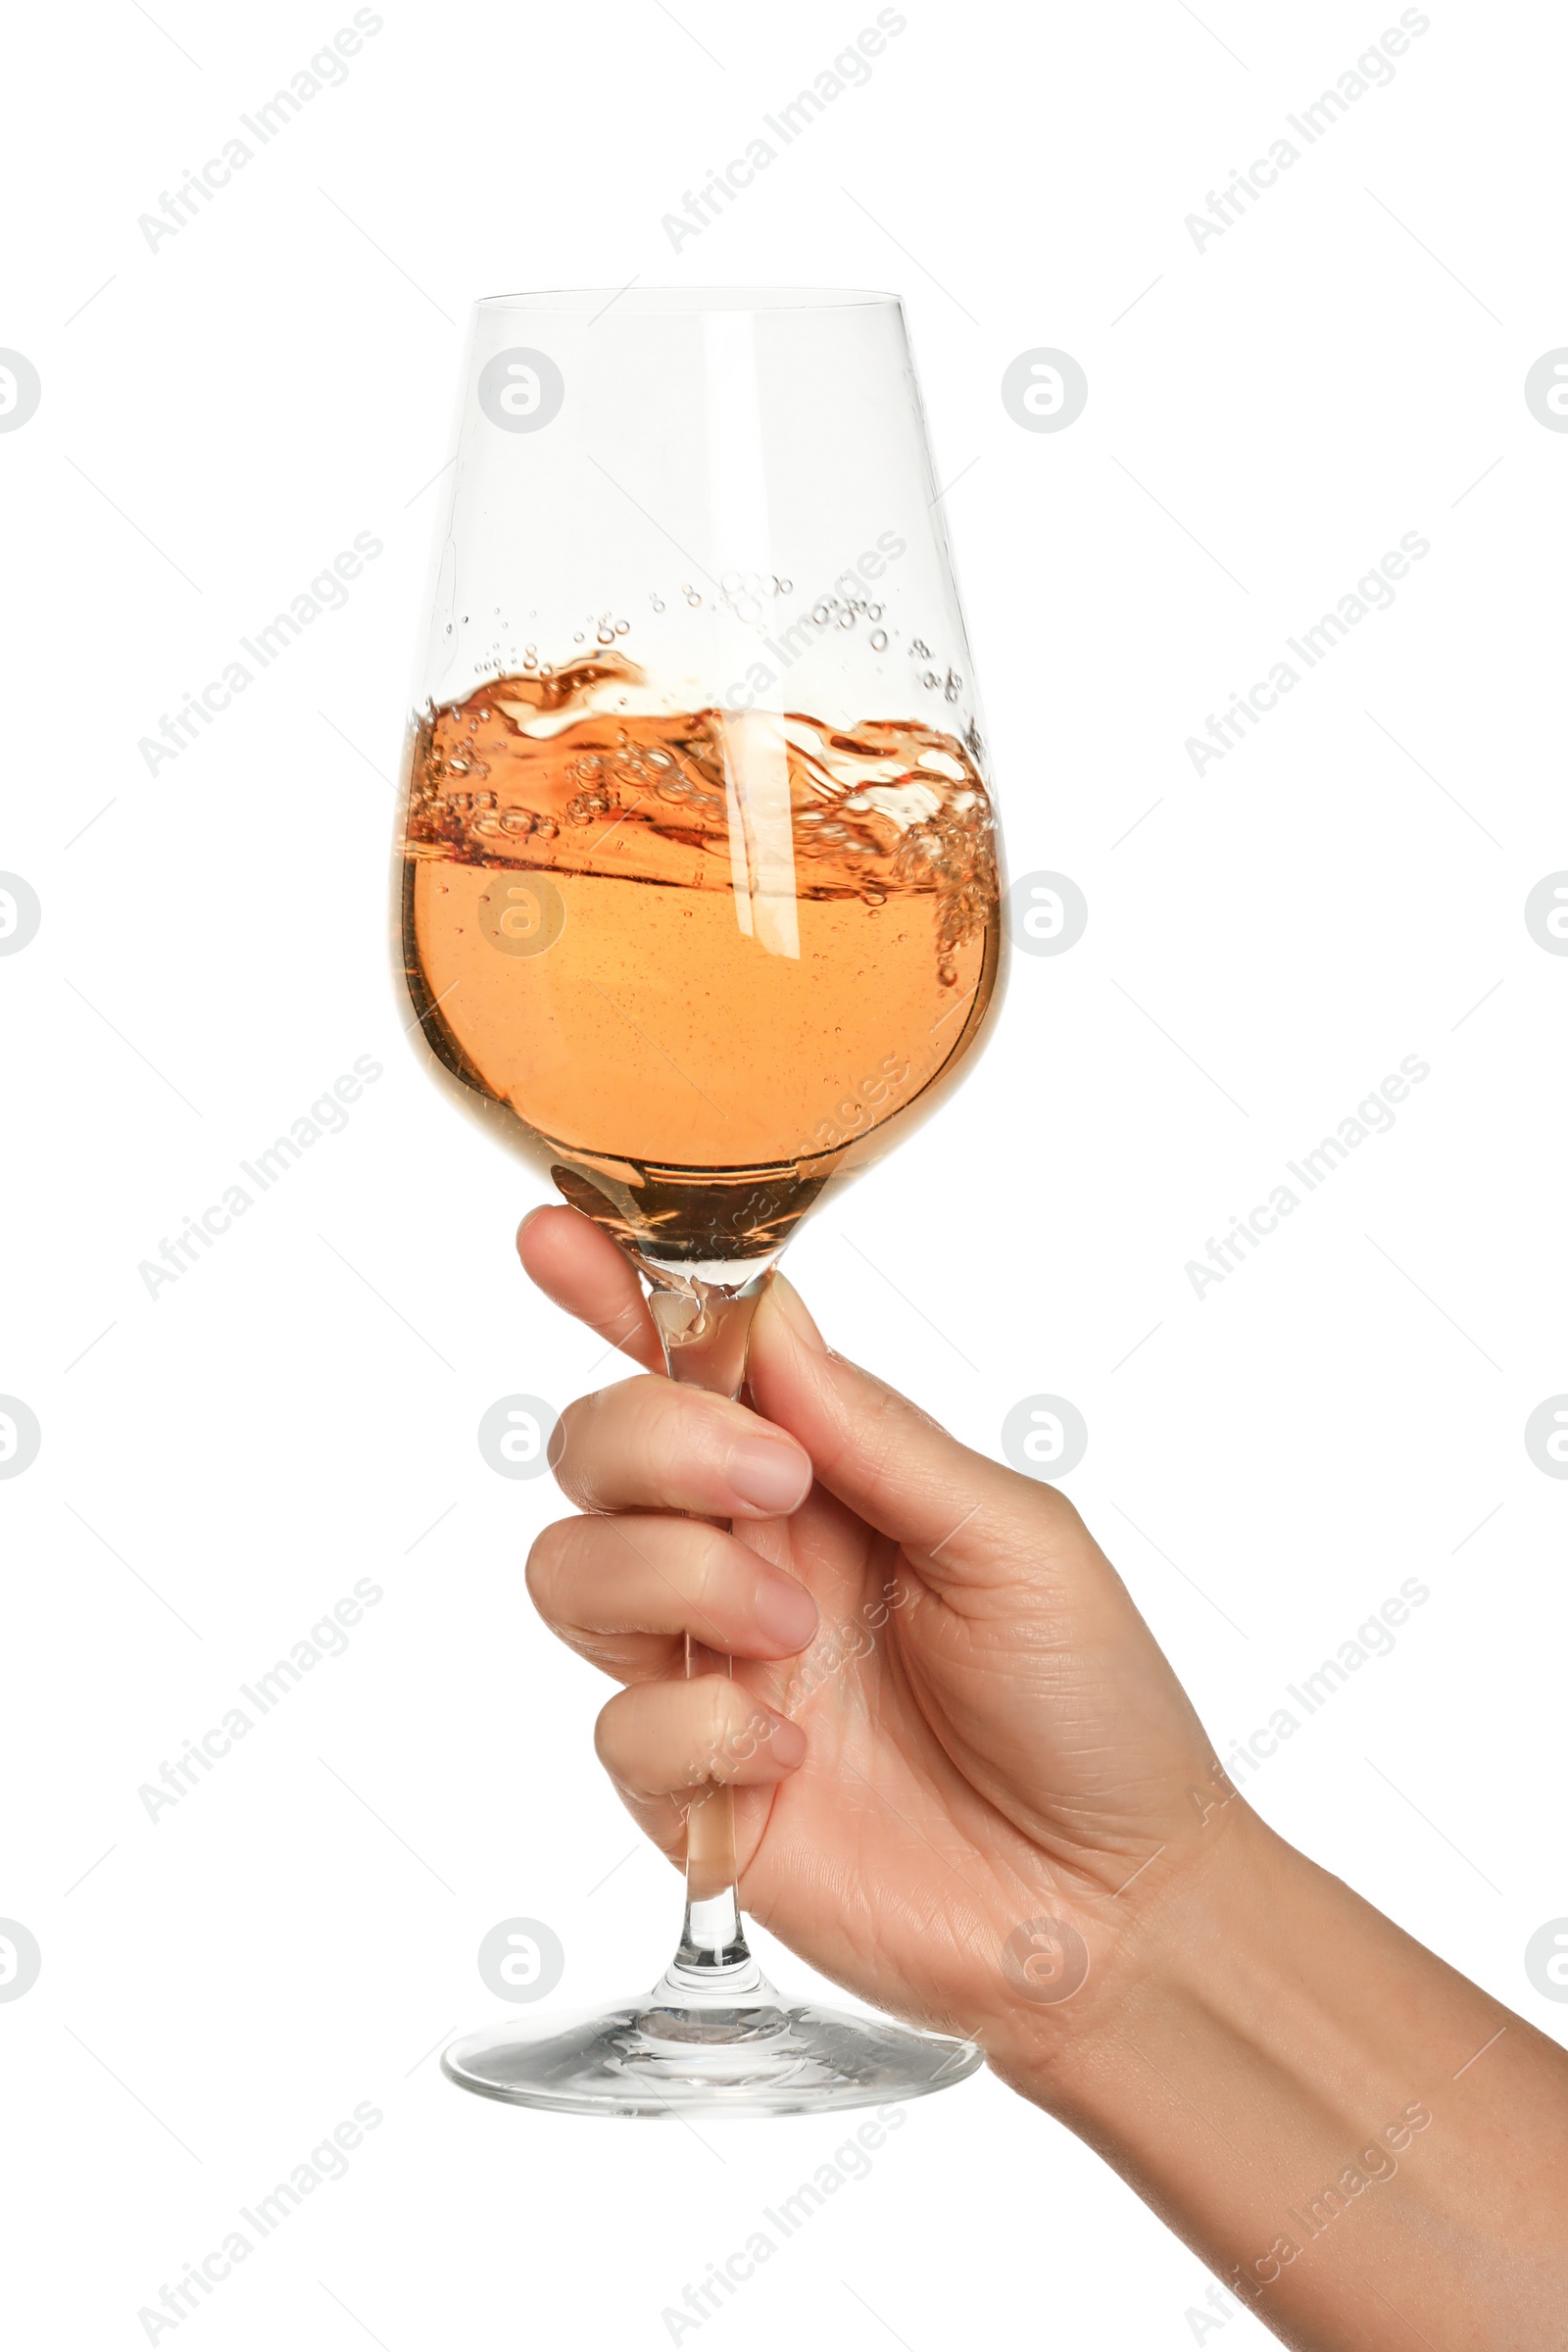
{"type": "Point", "coordinates": [678, 301]}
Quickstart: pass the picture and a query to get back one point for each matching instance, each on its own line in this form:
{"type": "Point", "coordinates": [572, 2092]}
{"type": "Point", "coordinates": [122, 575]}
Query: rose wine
{"type": "Point", "coordinates": [695, 962]}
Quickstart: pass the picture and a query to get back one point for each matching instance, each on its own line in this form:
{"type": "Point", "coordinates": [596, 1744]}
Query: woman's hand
{"type": "Point", "coordinates": [970, 1786]}
{"type": "Point", "coordinates": [947, 1722]}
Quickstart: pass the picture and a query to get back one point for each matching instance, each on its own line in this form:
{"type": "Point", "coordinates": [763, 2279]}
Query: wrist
{"type": "Point", "coordinates": [1182, 1939]}
{"type": "Point", "coordinates": [1262, 2055]}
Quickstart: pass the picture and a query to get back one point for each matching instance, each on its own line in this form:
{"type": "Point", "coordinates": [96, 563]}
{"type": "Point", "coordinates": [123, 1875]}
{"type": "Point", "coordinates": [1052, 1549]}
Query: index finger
{"type": "Point", "coordinates": [580, 1269]}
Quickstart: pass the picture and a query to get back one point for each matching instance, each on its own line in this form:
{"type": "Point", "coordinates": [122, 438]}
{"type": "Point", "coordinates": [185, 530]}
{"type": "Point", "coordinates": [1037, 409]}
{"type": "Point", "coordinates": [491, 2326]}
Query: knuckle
{"type": "Point", "coordinates": [591, 1436]}
{"type": "Point", "coordinates": [566, 1447]}
{"type": "Point", "coordinates": [708, 1564]}
{"type": "Point", "coordinates": [609, 1736]}
{"type": "Point", "coordinates": [882, 1441]}
{"type": "Point", "coordinates": [675, 1441]}
{"type": "Point", "coordinates": [723, 1708]}
{"type": "Point", "coordinates": [622, 1323]}
{"type": "Point", "coordinates": [725, 1726]}
{"type": "Point", "coordinates": [545, 1570]}
{"type": "Point", "coordinates": [614, 1439]}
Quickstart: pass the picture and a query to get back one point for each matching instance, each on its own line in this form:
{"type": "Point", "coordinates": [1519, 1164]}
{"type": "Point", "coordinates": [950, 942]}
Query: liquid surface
{"type": "Point", "coordinates": [699, 960]}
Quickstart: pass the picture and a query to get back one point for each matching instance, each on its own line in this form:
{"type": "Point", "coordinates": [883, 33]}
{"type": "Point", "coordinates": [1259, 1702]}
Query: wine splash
{"type": "Point", "coordinates": [697, 960]}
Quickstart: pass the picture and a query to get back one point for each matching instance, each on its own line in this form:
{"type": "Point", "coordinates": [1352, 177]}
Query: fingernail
{"type": "Point", "coordinates": [770, 1477]}
{"type": "Point", "coordinates": [792, 1306]}
{"type": "Point", "coordinates": [785, 1612]}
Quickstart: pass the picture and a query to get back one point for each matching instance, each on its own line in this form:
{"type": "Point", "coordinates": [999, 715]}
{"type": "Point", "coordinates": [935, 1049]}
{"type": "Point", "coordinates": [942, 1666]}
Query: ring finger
{"type": "Point", "coordinates": [624, 1590]}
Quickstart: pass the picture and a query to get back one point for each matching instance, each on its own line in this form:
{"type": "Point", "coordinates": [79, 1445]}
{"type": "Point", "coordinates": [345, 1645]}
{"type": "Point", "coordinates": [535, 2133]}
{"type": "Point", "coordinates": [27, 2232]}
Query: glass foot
{"type": "Point", "coordinates": [672, 2053]}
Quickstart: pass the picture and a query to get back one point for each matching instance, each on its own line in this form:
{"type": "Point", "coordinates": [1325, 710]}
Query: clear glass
{"type": "Point", "coordinates": [698, 894]}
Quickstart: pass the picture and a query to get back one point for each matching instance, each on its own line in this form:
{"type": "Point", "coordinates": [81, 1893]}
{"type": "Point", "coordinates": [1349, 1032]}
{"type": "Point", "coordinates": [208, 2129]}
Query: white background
{"type": "Point", "coordinates": [1342, 366]}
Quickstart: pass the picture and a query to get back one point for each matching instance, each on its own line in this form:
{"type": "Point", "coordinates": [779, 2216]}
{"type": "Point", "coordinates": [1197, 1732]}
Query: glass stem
{"type": "Point", "coordinates": [704, 1325]}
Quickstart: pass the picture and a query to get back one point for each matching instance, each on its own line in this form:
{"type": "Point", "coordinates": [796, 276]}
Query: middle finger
{"type": "Point", "coordinates": [648, 1444]}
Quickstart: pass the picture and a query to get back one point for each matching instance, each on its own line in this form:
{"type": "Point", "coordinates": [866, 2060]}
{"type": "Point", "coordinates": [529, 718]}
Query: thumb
{"type": "Point", "coordinates": [963, 1519]}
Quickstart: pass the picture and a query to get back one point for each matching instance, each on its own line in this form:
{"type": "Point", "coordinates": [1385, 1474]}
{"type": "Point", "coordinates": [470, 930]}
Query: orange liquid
{"type": "Point", "coordinates": [696, 962]}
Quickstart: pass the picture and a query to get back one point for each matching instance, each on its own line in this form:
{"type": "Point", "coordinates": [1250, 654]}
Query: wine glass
{"type": "Point", "coordinates": [699, 899]}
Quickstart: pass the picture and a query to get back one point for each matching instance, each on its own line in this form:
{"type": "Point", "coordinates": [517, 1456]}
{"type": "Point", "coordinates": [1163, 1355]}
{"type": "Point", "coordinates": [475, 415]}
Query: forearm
{"type": "Point", "coordinates": [1367, 2149]}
